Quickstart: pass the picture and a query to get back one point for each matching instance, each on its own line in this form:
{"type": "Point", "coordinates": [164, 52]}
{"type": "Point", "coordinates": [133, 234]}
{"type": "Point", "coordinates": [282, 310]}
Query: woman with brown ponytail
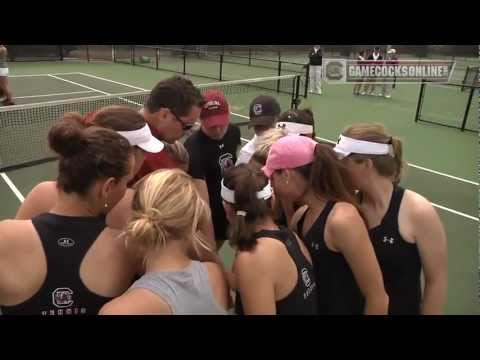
{"type": "Point", "coordinates": [405, 230]}
{"type": "Point", "coordinates": [349, 280]}
{"type": "Point", "coordinates": [67, 261]}
{"type": "Point", "coordinates": [272, 270]}
{"type": "Point", "coordinates": [167, 211]}
{"type": "Point", "coordinates": [128, 123]}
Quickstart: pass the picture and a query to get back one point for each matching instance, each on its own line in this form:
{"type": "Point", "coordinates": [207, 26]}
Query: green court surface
{"type": "Point", "coordinates": [443, 161]}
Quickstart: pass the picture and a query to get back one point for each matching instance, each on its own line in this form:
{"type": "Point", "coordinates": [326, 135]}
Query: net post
{"type": "Point", "coordinates": [157, 55]}
{"type": "Point", "coordinates": [114, 53]}
{"type": "Point", "coordinates": [465, 78]}
{"type": "Point", "coordinates": [249, 56]}
{"type": "Point", "coordinates": [420, 101]}
{"type": "Point", "coordinates": [279, 55]}
{"type": "Point", "coordinates": [184, 62]}
{"type": "Point", "coordinates": [88, 53]}
{"type": "Point", "coordinates": [297, 91]}
{"type": "Point", "coordinates": [279, 73]}
{"type": "Point", "coordinates": [467, 110]}
{"type": "Point", "coordinates": [221, 66]}
{"type": "Point", "coordinates": [133, 54]}
{"type": "Point", "coordinates": [60, 49]}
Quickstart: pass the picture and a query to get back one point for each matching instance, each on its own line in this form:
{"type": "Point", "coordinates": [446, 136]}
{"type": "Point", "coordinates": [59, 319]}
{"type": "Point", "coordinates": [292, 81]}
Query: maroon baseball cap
{"type": "Point", "coordinates": [215, 111]}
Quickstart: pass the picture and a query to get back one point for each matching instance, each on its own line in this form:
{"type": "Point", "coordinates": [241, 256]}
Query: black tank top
{"type": "Point", "coordinates": [399, 261]}
{"type": "Point", "coordinates": [338, 292]}
{"type": "Point", "coordinates": [302, 300]}
{"type": "Point", "coordinates": [65, 241]}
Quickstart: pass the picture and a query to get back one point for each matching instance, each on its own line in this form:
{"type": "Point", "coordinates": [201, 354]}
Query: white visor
{"type": "Point", "coordinates": [293, 128]}
{"type": "Point", "coordinates": [347, 146]}
{"type": "Point", "coordinates": [229, 195]}
{"type": "Point", "coordinates": [3, 71]}
{"type": "Point", "coordinates": [144, 139]}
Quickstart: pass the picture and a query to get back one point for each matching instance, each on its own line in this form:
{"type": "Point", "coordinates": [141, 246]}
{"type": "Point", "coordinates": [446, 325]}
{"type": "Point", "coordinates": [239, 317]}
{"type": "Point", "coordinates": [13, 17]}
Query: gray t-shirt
{"type": "Point", "coordinates": [187, 291]}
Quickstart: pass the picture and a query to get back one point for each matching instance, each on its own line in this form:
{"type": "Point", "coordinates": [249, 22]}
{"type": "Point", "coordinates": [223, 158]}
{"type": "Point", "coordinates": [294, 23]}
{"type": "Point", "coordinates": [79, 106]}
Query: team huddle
{"type": "Point", "coordinates": [136, 216]}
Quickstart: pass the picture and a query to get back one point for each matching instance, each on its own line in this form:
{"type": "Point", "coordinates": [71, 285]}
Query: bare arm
{"type": "Point", "coordinates": [348, 234]}
{"type": "Point", "coordinates": [206, 227]}
{"type": "Point", "coordinates": [120, 215]}
{"type": "Point", "coordinates": [257, 292]}
{"type": "Point", "coordinates": [38, 201]}
{"type": "Point", "coordinates": [432, 245]}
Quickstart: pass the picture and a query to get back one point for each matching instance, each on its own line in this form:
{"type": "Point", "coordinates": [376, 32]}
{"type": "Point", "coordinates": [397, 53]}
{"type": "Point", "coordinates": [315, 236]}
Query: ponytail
{"type": "Point", "coordinates": [246, 182]}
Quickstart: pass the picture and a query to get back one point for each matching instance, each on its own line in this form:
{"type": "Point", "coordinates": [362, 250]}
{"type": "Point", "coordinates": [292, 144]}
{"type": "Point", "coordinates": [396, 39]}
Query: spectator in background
{"type": "Point", "coordinates": [375, 58]}
{"type": "Point", "coordinates": [391, 59]}
{"type": "Point", "coordinates": [6, 97]}
{"type": "Point", "coordinates": [315, 73]}
{"type": "Point", "coordinates": [360, 61]}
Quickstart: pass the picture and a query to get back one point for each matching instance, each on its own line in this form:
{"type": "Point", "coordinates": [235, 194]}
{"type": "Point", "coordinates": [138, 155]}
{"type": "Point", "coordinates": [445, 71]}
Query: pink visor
{"type": "Point", "coordinates": [289, 152]}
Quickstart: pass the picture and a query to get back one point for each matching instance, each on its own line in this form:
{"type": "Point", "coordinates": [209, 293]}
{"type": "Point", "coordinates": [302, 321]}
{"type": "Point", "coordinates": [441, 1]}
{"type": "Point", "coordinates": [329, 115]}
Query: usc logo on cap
{"type": "Point", "coordinates": [257, 109]}
{"type": "Point", "coordinates": [212, 105]}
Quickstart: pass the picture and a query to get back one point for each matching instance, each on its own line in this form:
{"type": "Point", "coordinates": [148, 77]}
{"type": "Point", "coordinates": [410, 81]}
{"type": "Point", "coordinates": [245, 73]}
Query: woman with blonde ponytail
{"type": "Point", "coordinates": [167, 211]}
{"type": "Point", "coordinates": [405, 230]}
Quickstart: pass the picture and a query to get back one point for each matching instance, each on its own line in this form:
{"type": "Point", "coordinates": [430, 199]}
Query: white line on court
{"type": "Point", "coordinates": [436, 205]}
{"type": "Point", "coordinates": [75, 83]}
{"type": "Point", "coordinates": [12, 187]}
{"type": "Point", "coordinates": [112, 81]}
{"type": "Point", "coordinates": [409, 164]}
{"type": "Point", "coordinates": [56, 94]}
{"type": "Point", "coordinates": [88, 87]}
{"type": "Point", "coordinates": [30, 75]}
{"type": "Point", "coordinates": [455, 212]}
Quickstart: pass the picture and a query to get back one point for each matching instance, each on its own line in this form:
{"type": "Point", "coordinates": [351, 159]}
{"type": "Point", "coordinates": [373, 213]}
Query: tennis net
{"type": "Point", "coordinates": [24, 128]}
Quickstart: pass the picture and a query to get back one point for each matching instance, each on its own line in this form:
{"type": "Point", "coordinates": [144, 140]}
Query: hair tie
{"type": "Point", "coordinates": [241, 213]}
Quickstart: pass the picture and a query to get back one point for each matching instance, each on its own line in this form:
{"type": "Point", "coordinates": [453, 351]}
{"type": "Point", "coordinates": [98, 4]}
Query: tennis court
{"type": "Point", "coordinates": [442, 160]}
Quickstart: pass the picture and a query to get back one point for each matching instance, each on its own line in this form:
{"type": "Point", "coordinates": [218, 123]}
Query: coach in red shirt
{"type": "Point", "coordinates": [171, 110]}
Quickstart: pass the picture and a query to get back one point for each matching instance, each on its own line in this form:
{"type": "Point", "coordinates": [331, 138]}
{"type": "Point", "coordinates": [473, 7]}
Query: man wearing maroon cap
{"type": "Point", "coordinates": [212, 151]}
